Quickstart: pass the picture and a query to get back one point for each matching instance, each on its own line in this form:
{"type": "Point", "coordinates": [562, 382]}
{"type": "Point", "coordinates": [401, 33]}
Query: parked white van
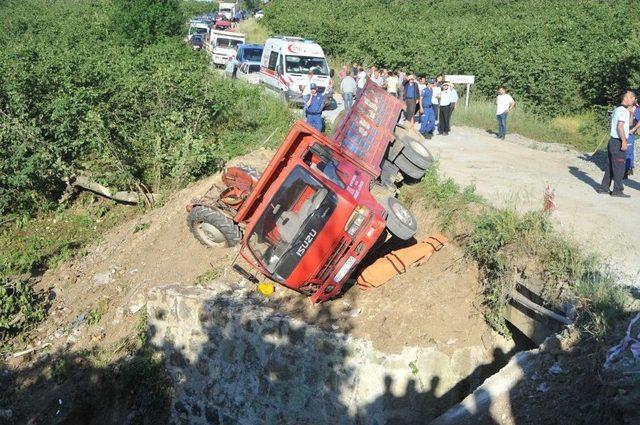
{"type": "Point", "coordinates": [223, 46]}
{"type": "Point", "coordinates": [286, 61]}
{"type": "Point", "coordinates": [197, 27]}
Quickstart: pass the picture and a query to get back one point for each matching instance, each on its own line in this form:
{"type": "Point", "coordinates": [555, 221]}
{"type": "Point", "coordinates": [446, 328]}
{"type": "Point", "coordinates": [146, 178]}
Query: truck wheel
{"type": "Point", "coordinates": [213, 228]}
{"type": "Point", "coordinates": [414, 149]}
{"type": "Point", "coordinates": [408, 168]}
{"type": "Point", "coordinates": [400, 220]}
{"type": "Point", "coordinates": [250, 170]}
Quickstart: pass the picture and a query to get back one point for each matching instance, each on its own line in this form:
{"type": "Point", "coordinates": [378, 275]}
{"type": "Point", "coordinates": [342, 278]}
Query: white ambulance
{"type": "Point", "coordinates": [285, 65]}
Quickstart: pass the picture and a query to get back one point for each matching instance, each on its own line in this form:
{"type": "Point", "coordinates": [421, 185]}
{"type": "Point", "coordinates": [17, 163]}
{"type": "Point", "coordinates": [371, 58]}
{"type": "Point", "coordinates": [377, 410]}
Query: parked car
{"type": "Point", "coordinates": [223, 46]}
{"type": "Point", "coordinates": [222, 25]}
{"type": "Point", "coordinates": [246, 64]}
{"type": "Point", "coordinates": [259, 14]}
{"type": "Point", "coordinates": [197, 41]}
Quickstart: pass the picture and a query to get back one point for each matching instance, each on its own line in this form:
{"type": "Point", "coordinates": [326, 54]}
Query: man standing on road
{"type": "Point", "coordinates": [313, 108]}
{"type": "Point", "coordinates": [427, 118]}
{"type": "Point", "coordinates": [376, 77]}
{"type": "Point", "coordinates": [617, 148]}
{"type": "Point", "coordinates": [436, 90]}
{"type": "Point", "coordinates": [392, 84]}
{"type": "Point", "coordinates": [411, 98]}
{"type": "Point", "coordinates": [362, 80]}
{"type": "Point", "coordinates": [448, 99]}
{"type": "Point", "coordinates": [631, 145]}
{"type": "Point", "coordinates": [348, 88]}
{"type": "Point", "coordinates": [504, 105]}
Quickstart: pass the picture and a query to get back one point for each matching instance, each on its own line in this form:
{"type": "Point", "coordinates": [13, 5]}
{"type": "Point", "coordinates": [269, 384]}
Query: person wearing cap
{"type": "Point", "coordinates": [448, 99]}
{"type": "Point", "coordinates": [504, 105]}
{"type": "Point", "coordinates": [427, 117]}
{"type": "Point", "coordinates": [617, 148]}
{"type": "Point", "coordinates": [313, 108]}
{"type": "Point", "coordinates": [411, 98]}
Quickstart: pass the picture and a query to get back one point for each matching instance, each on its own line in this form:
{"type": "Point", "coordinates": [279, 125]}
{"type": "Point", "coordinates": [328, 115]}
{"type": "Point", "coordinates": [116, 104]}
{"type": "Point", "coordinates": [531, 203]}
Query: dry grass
{"type": "Point", "coordinates": [255, 32]}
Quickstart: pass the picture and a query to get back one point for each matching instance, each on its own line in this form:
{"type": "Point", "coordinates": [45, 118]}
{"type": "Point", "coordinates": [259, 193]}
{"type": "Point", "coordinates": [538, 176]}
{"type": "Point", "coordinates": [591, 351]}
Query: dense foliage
{"type": "Point", "coordinates": [560, 57]}
{"type": "Point", "coordinates": [142, 22]}
{"type": "Point", "coordinates": [75, 99]}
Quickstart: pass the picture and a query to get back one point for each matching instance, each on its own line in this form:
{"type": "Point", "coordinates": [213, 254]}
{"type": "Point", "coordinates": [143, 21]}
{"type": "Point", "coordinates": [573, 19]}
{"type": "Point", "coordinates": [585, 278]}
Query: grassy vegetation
{"type": "Point", "coordinates": [510, 247]}
{"type": "Point", "coordinates": [97, 101]}
{"type": "Point", "coordinates": [255, 32]}
{"type": "Point", "coordinates": [583, 131]}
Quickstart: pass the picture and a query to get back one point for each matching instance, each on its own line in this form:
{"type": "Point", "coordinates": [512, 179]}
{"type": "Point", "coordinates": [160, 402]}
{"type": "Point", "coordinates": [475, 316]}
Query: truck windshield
{"type": "Point", "coordinates": [292, 221]}
{"type": "Point", "coordinates": [253, 55]}
{"type": "Point", "coordinates": [228, 42]}
{"type": "Point", "coordinates": [302, 65]}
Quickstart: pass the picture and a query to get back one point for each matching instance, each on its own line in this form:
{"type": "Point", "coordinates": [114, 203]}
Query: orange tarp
{"type": "Point", "coordinates": [397, 262]}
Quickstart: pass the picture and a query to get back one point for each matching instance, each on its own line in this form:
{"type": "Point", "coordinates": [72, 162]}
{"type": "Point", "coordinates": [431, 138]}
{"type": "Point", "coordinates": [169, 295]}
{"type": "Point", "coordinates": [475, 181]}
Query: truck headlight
{"type": "Point", "coordinates": [358, 217]}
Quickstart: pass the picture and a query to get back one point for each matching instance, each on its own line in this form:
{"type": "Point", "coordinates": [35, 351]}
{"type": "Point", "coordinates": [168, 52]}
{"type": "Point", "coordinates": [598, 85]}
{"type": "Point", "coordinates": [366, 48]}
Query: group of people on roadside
{"type": "Point", "coordinates": [431, 102]}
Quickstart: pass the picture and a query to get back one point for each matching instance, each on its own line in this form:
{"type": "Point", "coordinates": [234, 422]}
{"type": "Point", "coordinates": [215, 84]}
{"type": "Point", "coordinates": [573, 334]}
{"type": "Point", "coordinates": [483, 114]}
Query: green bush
{"type": "Point", "coordinates": [558, 57]}
{"type": "Point", "coordinates": [20, 308]}
{"type": "Point", "coordinates": [143, 22]}
{"type": "Point", "coordinates": [76, 99]}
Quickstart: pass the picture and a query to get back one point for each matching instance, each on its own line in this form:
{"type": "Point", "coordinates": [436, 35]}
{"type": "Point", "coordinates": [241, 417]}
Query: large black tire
{"type": "Point", "coordinates": [414, 149]}
{"type": "Point", "coordinates": [400, 220]}
{"type": "Point", "coordinates": [213, 228]}
{"type": "Point", "coordinates": [408, 168]}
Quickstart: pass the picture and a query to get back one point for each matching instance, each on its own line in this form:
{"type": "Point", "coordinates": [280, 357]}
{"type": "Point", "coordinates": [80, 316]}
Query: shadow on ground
{"type": "Point", "coordinates": [264, 368]}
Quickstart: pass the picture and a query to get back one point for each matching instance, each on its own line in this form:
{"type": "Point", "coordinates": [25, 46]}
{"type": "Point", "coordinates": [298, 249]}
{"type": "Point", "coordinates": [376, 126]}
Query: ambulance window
{"type": "Point", "coordinates": [273, 60]}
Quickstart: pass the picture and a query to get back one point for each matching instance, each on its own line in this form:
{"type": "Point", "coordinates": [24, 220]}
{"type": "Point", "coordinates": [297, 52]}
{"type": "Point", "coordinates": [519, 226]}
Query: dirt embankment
{"type": "Point", "coordinates": [97, 299]}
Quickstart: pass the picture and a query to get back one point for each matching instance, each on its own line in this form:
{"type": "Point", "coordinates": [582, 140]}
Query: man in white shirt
{"type": "Point", "coordinates": [504, 105]}
{"type": "Point", "coordinates": [362, 80]}
{"type": "Point", "coordinates": [617, 148]}
{"type": "Point", "coordinates": [376, 77]}
{"type": "Point", "coordinates": [436, 90]}
{"type": "Point", "coordinates": [305, 86]}
{"type": "Point", "coordinates": [448, 99]}
{"type": "Point", "coordinates": [392, 83]}
{"type": "Point", "coordinates": [348, 88]}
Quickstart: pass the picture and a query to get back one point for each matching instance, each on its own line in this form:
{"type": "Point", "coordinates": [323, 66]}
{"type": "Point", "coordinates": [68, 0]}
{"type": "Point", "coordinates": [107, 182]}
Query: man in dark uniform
{"type": "Point", "coordinates": [313, 108]}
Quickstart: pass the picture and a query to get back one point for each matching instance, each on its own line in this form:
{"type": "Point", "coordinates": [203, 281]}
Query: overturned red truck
{"type": "Point", "coordinates": [323, 202]}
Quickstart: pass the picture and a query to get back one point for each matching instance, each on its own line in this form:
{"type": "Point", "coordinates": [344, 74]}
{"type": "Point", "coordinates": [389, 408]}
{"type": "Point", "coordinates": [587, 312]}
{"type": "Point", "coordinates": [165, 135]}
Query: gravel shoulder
{"type": "Point", "coordinates": [513, 174]}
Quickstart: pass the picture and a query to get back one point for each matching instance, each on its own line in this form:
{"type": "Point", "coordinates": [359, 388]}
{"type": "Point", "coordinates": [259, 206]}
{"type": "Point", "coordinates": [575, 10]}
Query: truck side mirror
{"type": "Point", "coordinates": [279, 69]}
{"type": "Point", "coordinates": [331, 72]}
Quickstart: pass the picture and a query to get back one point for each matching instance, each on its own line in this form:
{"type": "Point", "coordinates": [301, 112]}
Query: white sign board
{"type": "Point", "coordinates": [460, 79]}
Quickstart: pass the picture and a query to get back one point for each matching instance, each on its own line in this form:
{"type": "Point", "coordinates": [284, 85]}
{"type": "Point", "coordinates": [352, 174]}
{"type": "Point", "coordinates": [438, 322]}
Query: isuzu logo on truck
{"type": "Point", "coordinates": [307, 241]}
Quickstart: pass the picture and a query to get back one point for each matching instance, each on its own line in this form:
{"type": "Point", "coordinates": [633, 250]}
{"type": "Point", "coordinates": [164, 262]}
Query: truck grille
{"type": "Point", "coordinates": [341, 247]}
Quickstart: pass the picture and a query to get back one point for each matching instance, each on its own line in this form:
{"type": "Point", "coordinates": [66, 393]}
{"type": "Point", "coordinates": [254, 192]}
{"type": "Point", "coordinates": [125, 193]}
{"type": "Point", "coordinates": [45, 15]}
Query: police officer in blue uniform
{"type": "Point", "coordinates": [313, 108]}
{"type": "Point", "coordinates": [428, 117]}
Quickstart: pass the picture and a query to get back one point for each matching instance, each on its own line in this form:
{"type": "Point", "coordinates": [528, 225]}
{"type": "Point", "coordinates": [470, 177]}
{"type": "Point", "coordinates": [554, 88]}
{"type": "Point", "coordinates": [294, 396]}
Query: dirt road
{"type": "Point", "coordinates": [513, 173]}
